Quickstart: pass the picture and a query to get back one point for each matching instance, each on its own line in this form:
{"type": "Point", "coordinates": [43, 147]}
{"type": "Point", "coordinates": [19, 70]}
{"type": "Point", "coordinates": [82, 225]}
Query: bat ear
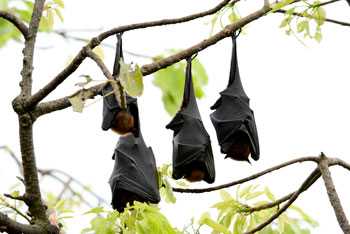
{"type": "Point", "coordinates": [176, 123]}
{"type": "Point", "coordinates": [216, 104]}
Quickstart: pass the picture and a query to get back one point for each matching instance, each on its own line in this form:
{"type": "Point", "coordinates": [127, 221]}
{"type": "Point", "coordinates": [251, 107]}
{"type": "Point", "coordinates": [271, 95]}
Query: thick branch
{"type": "Point", "coordinates": [333, 196]}
{"type": "Point", "coordinates": [312, 177]}
{"type": "Point", "coordinates": [225, 32]}
{"type": "Point", "coordinates": [42, 93]}
{"type": "Point", "coordinates": [252, 177]}
{"type": "Point", "coordinates": [17, 22]}
{"type": "Point", "coordinates": [117, 87]}
{"type": "Point", "coordinates": [61, 103]}
{"type": "Point", "coordinates": [8, 225]}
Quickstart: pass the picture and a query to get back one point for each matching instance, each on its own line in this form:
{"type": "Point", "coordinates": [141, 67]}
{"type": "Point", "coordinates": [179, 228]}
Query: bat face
{"type": "Point", "coordinates": [192, 153]}
{"type": "Point", "coordinates": [234, 120]}
{"type": "Point", "coordinates": [134, 176]}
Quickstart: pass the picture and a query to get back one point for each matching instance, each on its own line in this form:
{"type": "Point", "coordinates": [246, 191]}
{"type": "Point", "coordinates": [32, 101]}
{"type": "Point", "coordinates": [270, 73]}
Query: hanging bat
{"type": "Point", "coordinates": [192, 153]}
{"type": "Point", "coordinates": [134, 176]}
{"type": "Point", "coordinates": [233, 119]}
{"type": "Point", "coordinates": [114, 117]}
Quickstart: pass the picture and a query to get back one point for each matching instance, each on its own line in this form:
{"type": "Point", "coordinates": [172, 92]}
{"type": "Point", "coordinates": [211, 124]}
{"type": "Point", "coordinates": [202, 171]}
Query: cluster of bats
{"type": "Point", "coordinates": [135, 178]}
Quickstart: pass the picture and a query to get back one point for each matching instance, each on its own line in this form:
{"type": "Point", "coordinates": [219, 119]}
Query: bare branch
{"type": "Point", "coordinates": [333, 196]}
{"type": "Point", "coordinates": [10, 226]}
{"type": "Point", "coordinates": [249, 178]}
{"type": "Point", "coordinates": [117, 87]}
{"type": "Point", "coordinates": [20, 198]}
{"type": "Point", "coordinates": [62, 103]}
{"type": "Point", "coordinates": [17, 22]}
{"type": "Point", "coordinates": [283, 199]}
{"type": "Point", "coordinates": [78, 59]}
{"type": "Point", "coordinates": [312, 177]}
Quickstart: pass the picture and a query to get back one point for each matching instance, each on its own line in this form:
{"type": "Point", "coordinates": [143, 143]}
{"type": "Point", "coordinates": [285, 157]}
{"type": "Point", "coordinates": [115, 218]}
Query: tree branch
{"type": "Point", "coordinates": [17, 22]}
{"type": "Point", "coordinates": [328, 20]}
{"type": "Point", "coordinates": [225, 32]}
{"type": "Point", "coordinates": [312, 177]}
{"type": "Point", "coordinates": [252, 177]}
{"type": "Point", "coordinates": [333, 196]}
{"type": "Point", "coordinates": [117, 87]}
{"type": "Point", "coordinates": [61, 103]}
{"type": "Point", "coordinates": [42, 93]}
{"type": "Point", "coordinates": [10, 226]}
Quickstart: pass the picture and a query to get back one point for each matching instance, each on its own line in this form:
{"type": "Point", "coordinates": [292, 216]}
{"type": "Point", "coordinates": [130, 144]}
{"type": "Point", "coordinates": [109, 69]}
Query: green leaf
{"type": "Point", "coordinates": [59, 2]}
{"type": "Point", "coordinates": [225, 195]}
{"type": "Point", "coordinates": [86, 230]}
{"type": "Point", "coordinates": [58, 13]}
{"type": "Point", "coordinates": [280, 225]}
{"type": "Point", "coordinates": [319, 16]}
{"type": "Point", "coordinates": [60, 204]}
{"type": "Point", "coordinates": [88, 80]}
{"type": "Point", "coordinates": [15, 193]}
{"type": "Point", "coordinates": [50, 19]}
{"type": "Point", "coordinates": [78, 100]}
{"type": "Point", "coordinates": [284, 22]}
{"type": "Point", "coordinates": [269, 195]}
{"type": "Point", "coordinates": [281, 5]}
{"type": "Point", "coordinates": [318, 37]}
{"type": "Point", "coordinates": [303, 25]}
{"type": "Point", "coordinates": [253, 195]}
{"type": "Point", "coordinates": [245, 191]}
{"type": "Point", "coordinates": [95, 210]}
{"type": "Point", "coordinates": [214, 225]}
{"type": "Point", "coordinates": [131, 79]}
{"type": "Point", "coordinates": [205, 215]}
{"type": "Point", "coordinates": [290, 11]}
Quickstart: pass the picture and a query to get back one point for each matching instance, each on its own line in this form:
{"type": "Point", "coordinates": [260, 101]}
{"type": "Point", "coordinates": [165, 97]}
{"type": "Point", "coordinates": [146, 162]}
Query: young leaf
{"type": "Point", "coordinates": [268, 194]}
{"type": "Point", "coordinates": [225, 195]}
{"type": "Point", "coordinates": [50, 19]}
{"type": "Point", "coordinates": [280, 225]}
{"type": "Point", "coordinates": [88, 80]}
{"type": "Point", "coordinates": [253, 195]}
{"type": "Point", "coordinates": [281, 5]}
{"type": "Point", "coordinates": [15, 193]}
{"type": "Point", "coordinates": [59, 2]}
{"type": "Point", "coordinates": [131, 79]}
{"type": "Point", "coordinates": [58, 13]}
{"type": "Point", "coordinates": [245, 191]}
{"type": "Point", "coordinates": [205, 215]}
{"type": "Point", "coordinates": [95, 210]}
{"type": "Point", "coordinates": [216, 226]}
{"type": "Point", "coordinates": [60, 204]}
{"type": "Point", "coordinates": [319, 16]}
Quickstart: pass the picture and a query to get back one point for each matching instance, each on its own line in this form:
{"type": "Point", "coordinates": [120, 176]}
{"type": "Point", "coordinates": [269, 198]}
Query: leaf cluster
{"type": "Point", "coordinates": [311, 12]}
{"type": "Point", "coordinates": [237, 216]}
{"type": "Point", "coordinates": [171, 81]}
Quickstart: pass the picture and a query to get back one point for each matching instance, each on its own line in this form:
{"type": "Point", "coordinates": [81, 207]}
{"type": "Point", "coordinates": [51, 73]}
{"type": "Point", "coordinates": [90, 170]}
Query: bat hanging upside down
{"type": "Point", "coordinates": [125, 197]}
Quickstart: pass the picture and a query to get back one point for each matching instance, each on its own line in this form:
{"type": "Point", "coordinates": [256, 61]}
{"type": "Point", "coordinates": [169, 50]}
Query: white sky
{"type": "Point", "coordinates": [300, 97]}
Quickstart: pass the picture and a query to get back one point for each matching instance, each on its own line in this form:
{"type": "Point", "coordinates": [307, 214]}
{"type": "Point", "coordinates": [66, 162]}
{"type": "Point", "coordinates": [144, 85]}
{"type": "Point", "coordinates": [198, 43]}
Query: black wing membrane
{"type": "Point", "coordinates": [233, 119]}
{"type": "Point", "coordinates": [134, 175]}
{"type": "Point", "coordinates": [111, 107]}
{"type": "Point", "coordinates": [192, 151]}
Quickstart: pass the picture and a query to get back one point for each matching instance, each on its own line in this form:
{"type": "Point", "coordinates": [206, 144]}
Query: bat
{"type": "Point", "coordinates": [192, 153]}
{"type": "Point", "coordinates": [134, 176]}
{"type": "Point", "coordinates": [114, 117]}
{"type": "Point", "coordinates": [233, 119]}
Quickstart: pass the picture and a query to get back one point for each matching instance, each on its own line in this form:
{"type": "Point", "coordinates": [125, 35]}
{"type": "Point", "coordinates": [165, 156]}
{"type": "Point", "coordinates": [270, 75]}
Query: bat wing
{"type": "Point", "coordinates": [191, 142]}
{"type": "Point", "coordinates": [134, 170]}
{"type": "Point", "coordinates": [232, 112]}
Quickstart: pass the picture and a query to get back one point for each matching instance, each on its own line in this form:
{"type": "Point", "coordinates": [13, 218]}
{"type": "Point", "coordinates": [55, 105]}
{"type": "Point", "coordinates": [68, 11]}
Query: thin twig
{"type": "Point", "coordinates": [17, 22]}
{"type": "Point", "coordinates": [13, 155]}
{"type": "Point", "coordinates": [333, 196]}
{"type": "Point", "coordinates": [117, 87]}
{"type": "Point", "coordinates": [252, 177]}
{"type": "Point", "coordinates": [312, 177]}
